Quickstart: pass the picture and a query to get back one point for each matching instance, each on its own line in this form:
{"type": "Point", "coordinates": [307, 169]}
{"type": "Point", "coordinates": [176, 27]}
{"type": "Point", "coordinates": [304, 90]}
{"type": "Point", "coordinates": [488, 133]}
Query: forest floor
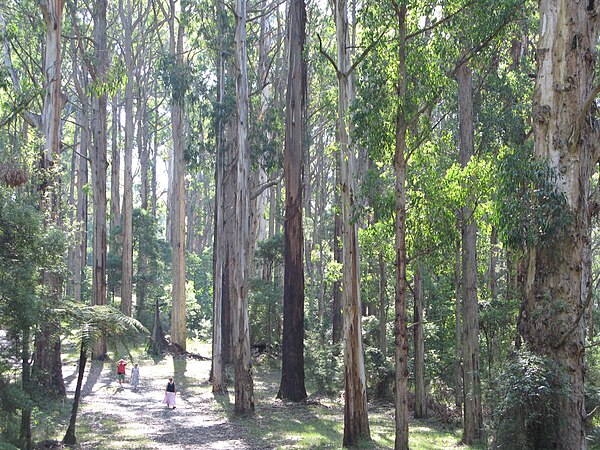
{"type": "Point", "coordinates": [119, 417]}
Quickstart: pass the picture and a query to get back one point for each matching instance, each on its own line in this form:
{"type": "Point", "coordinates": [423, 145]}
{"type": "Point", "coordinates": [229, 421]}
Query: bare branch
{"type": "Point", "coordinates": [326, 55]}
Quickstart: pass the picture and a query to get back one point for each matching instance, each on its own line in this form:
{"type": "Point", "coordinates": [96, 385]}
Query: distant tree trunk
{"type": "Point", "coordinates": [458, 371]}
{"type": "Point", "coordinates": [292, 370]}
{"type": "Point", "coordinates": [144, 157]}
{"type": "Point", "coordinates": [258, 204]}
{"type": "Point", "coordinates": [244, 385]}
{"type": "Point", "coordinates": [493, 348]}
{"type": "Point", "coordinates": [473, 415]}
{"type": "Point", "coordinates": [154, 159]}
{"type": "Point", "coordinates": [337, 317]}
{"type": "Point", "coordinates": [99, 129]}
{"type": "Point", "coordinates": [400, 326]}
{"type": "Point", "coordinates": [126, 13]}
{"type": "Point", "coordinates": [81, 78]}
{"type": "Point", "coordinates": [81, 208]}
{"type": "Point", "coordinates": [48, 363]}
{"type": "Point", "coordinates": [382, 306]}
{"type": "Point", "coordinates": [419, 342]}
{"type": "Point", "coordinates": [219, 382]}
{"type": "Point", "coordinates": [566, 138]}
{"type": "Point", "coordinates": [178, 312]}
{"type": "Point", "coordinates": [218, 379]}
{"type": "Point", "coordinates": [356, 420]}
{"type": "Point", "coordinates": [25, 433]}
{"type": "Point", "coordinates": [115, 171]}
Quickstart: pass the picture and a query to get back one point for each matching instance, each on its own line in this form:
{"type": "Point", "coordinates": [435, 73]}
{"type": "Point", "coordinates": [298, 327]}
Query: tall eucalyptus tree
{"type": "Point", "coordinates": [292, 370]}
{"type": "Point", "coordinates": [567, 139]}
{"type": "Point", "coordinates": [98, 69]}
{"type": "Point", "coordinates": [47, 365]}
{"type": "Point", "coordinates": [179, 87]}
{"type": "Point", "coordinates": [356, 420]}
{"type": "Point", "coordinates": [244, 385]}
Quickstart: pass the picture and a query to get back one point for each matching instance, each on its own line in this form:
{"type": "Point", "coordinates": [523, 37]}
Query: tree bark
{"type": "Point", "coordinates": [473, 415]}
{"type": "Point", "coordinates": [126, 13]}
{"type": "Point", "coordinates": [292, 370]}
{"type": "Point", "coordinates": [567, 138]}
{"type": "Point", "coordinates": [244, 385]}
{"type": "Point", "coordinates": [48, 365]}
{"type": "Point", "coordinates": [458, 370]}
{"type": "Point", "coordinates": [25, 433]}
{"type": "Point", "coordinates": [400, 325]}
{"type": "Point", "coordinates": [356, 420]}
{"type": "Point", "coordinates": [115, 170]}
{"type": "Point", "coordinates": [382, 305]}
{"type": "Point", "coordinates": [70, 438]}
{"type": "Point", "coordinates": [419, 342]}
{"type": "Point", "coordinates": [178, 311]}
{"type": "Point", "coordinates": [99, 129]}
{"type": "Point", "coordinates": [218, 379]}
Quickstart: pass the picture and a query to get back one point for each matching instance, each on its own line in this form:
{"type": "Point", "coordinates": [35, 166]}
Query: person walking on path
{"type": "Point", "coordinates": [170, 394]}
{"type": "Point", "coordinates": [135, 376]}
{"type": "Point", "coordinates": [121, 371]}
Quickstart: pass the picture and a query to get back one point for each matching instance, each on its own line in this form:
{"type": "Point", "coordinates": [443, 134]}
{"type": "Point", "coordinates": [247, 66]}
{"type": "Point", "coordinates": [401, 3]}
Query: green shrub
{"type": "Point", "coordinates": [326, 364]}
{"type": "Point", "coordinates": [531, 390]}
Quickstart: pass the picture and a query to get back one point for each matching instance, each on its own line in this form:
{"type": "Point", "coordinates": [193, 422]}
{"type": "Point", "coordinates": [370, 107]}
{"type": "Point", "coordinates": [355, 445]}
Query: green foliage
{"type": "Point", "coordinates": [326, 364]}
{"type": "Point", "coordinates": [530, 392]}
{"type": "Point", "coordinates": [199, 273]}
{"type": "Point", "coordinates": [176, 76]}
{"type": "Point", "coordinates": [265, 295]}
{"type": "Point", "coordinates": [532, 209]}
{"type": "Point", "coordinates": [152, 278]}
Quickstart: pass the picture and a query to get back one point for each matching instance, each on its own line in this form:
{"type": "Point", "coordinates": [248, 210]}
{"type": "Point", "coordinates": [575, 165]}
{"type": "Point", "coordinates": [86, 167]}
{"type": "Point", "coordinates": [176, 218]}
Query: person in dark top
{"type": "Point", "coordinates": [170, 394]}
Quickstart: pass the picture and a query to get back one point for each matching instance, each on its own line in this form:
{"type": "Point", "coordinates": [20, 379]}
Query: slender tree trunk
{"type": "Point", "coordinates": [48, 364]}
{"type": "Point", "coordinates": [567, 138]}
{"type": "Point", "coordinates": [493, 349]}
{"type": "Point", "coordinates": [115, 171]}
{"type": "Point", "coordinates": [178, 312]}
{"type": "Point", "coordinates": [81, 78]}
{"type": "Point", "coordinates": [419, 342]}
{"type": "Point", "coordinates": [382, 306]}
{"type": "Point", "coordinates": [70, 438]}
{"type": "Point", "coordinates": [292, 370]}
{"type": "Point", "coordinates": [473, 415]}
{"type": "Point", "coordinates": [144, 157]}
{"type": "Point", "coordinates": [126, 13]}
{"type": "Point", "coordinates": [356, 420]}
{"type": "Point", "coordinates": [400, 326]}
{"type": "Point", "coordinates": [337, 317]}
{"type": "Point", "coordinates": [99, 163]}
{"type": "Point", "coordinates": [81, 209]}
{"type": "Point", "coordinates": [458, 371]}
{"type": "Point", "coordinates": [244, 385]}
{"type": "Point", "coordinates": [219, 382]}
{"type": "Point", "coordinates": [25, 434]}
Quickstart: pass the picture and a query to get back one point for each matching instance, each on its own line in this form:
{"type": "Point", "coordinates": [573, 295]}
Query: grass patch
{"type": "Point", "coordinates": [320, 424]}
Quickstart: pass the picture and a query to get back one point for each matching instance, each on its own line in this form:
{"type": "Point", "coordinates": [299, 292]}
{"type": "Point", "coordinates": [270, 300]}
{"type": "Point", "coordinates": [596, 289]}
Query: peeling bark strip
{"type": "Point", "coordinates": [558, 277]}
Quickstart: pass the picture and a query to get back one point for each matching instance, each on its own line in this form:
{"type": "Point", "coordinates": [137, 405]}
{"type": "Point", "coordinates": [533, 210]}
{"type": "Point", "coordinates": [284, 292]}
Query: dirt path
{"type": "Point", "coordinates": [115, 417]}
